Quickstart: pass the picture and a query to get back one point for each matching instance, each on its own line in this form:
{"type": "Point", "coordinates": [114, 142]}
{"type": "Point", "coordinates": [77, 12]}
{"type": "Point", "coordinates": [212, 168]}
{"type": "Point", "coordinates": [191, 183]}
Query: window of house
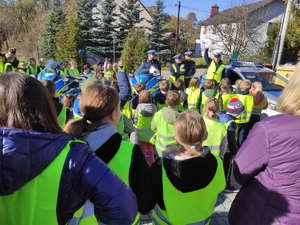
{"type": "Point", "coordinates": [121, 9]}
{"type": "Point", "coordinates": [137, 16]}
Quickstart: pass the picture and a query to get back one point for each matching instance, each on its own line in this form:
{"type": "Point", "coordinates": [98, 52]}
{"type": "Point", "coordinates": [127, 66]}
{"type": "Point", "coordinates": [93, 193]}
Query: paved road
{"type": "Point", "coordinates": [166, 74]}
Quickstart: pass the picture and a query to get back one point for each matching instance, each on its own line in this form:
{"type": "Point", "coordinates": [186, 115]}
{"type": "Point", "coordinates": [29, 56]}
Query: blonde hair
{"type": "Point", "coordinates": [238, 83]}
{"type": "Point", "coordinates": [173, 99]}
{"type": "Point", "coordinates": [115, 66]}
{"type": "Point", "coordinates": [289, 100]}
{"type": "Point", "coordinates": [194, 82]}
{"type": "Point", "coordinates": [96, 71]}
{"type": "Point", "coordinates": [256, 89]}
{"type": "Point", "coordinates": [211, 108]}
{"type": "Point", "coordinates": [245, 85]}
{"type": "Point", "coordinates": [164, 86]}
{"type": "Point", "coordinates": [72, 63]}
{"type": "Point", "coordinates": [145, 97]}
{"type": "Point", "coordinates": [224, 89]}
{"type": "Point", "coordinates": [190, 132]}
{"type": "Point", "coordinates": [226, 81]}
{"type": "Point", "coordinates": [209, 84]}
{"type": "Point", "coordinates": [68, 100]}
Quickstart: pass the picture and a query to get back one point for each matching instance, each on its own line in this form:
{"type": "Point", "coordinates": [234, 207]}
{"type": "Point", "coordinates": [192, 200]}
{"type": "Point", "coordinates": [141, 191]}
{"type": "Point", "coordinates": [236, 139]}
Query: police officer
{"type": "Point", "coordinates": [216, 68]}
{"type": "Point", "coordinates": [149, 63]}
{"type": "Point", "coordinates": [190, 67]}
{"type": "Point", "coordinates": [177, 70]}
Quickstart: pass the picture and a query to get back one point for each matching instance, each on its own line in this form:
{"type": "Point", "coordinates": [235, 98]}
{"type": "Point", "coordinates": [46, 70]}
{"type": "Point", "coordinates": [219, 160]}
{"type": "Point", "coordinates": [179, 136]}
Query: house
{"type": "Point", "coordinates": [242, 29]}
{"type": "Point", "coordinates": [143, 14]}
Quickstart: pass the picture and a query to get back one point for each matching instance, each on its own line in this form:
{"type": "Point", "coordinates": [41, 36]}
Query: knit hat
{"type": "Point", "coordinates": [235, 106]}
{"type": "Point", "coordinates": [88, 82]}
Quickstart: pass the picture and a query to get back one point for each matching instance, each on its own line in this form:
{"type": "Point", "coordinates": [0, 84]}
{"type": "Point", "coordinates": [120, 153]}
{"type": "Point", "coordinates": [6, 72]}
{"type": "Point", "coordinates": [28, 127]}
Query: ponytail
{"type": "Point", "coordinates": [77, 127]}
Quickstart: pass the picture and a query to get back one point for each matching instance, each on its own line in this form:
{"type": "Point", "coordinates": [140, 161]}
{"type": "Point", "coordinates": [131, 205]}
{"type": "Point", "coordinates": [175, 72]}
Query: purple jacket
{"type": "Point", "coordinates": [268, 167]}
{"type": "Point", "coordinates": [25, 154]}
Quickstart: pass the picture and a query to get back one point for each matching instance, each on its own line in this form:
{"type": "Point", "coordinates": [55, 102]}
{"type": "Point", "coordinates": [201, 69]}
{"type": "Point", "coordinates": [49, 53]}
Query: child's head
{"type": "Point", "coordinates": [235, 107]}
{"type": "Point", "coordinates": [42, 62]}
{"type": "Point", "coordinates": [73, 63]}
{"type": "Point", "coordinates": [256, 87]}
{"type": "Point", "coordinates": [50, 86]}
{"type": "Point", "coordinates": [115, 66]}
{"type": "Point", "coordinates": [238, 83]}
{"type": "Point", "coordinates": [179, 85]}
{"type": "Point", "coordinates": [68, 101]}
{"type": "Point", "coordinates": [245, 85]}
{"type": "Point", "coordinates": [120, 63]}
{"type": "Point", "coordinates": [164, 86]}
{"type": "Point", "coordinates": [32, 61]}
{"type": "Point", "coordinates": [109, 66]}
{"type": "Point", "coordinates": [211, 108]}
{"type": "Point", "coordinates": [209, 84]}
{"type": "Point", "coordinates": [145, 97]}
{"type": "Point", "coordinates": [139, 87]}
{"type": "Point", "coordinates": [190, 131]}
{"type": "Point", "coordinates": [224, 89]}
{"type": "Point", "coordinates": [22, 65]}
{"type": "Point", "coordinates": [226, 81]}
{"type": "Point", "coordinates": [173, 99]}
{"type": "Point", "coordinates": [194, 82]}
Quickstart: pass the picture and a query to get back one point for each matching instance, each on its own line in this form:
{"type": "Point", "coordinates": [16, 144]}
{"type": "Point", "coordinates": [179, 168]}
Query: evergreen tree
{"type": "Point", "coordinates": [134, 49]}
{"type": "Point", "coordinates": [84, 15]}
{"type": "Point", "coordinates": [51, 28]}
{"type": "Point", "coordinates": [157, 38]}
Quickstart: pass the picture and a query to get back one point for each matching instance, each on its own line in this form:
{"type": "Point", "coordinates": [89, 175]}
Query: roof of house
{"type": "Point", "coordinates": [235, 13]}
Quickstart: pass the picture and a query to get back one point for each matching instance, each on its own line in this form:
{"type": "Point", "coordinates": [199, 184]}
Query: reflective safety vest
{"type": "Point", "coordinates": [121, 69]}
{"type": "Point", "coordinates": [63, 72]}
{"type": "Point", "coordinates": [128, 111]}
{"type": "Point", "coordinates": [164, 136]}
{"type": "Point", "coordinates": [160, 106]}
{"type": "Point", "coordinates": [216, 132]}
{"type": "Point", "coordinates": [204, 99]}
{"type": "Point", "coordinates": [213, 73]}
{"type": "Point", "coordinates": [226, 98]}
{"type": "Point", "coordinates": [62, 117]}
{"type": "Point", "coordinates": [194, 207]}
{"type": "Point", "coordinates": [74, 72]}
{"type": "Point", "coordinates": [193, 97]}
{"type": "Point", "coordinates": [2, 67]}
{"type": "Point", "coordinates": [32, 70]}
{"type": "Point", "coordinates": [248, 102]}
{"type": "Point", "coordinates": [7, 65]}
{"type": "Point", "coordinates": [21, 71]}
{"type": "Point", "coordinates": [120, 164]}
{"type": "Point", "coordinates": [143, 127]}
{"type": "Point", "coordinates": [108, 78]}
{"type": "Point", "coordinates": [174, 78]}
{"type": "Point", "coordinates": [259, 107]}
{"type": "Point", "coordinates": [120, 129]}
{"type": "Point", "coordinates": [36, 201]}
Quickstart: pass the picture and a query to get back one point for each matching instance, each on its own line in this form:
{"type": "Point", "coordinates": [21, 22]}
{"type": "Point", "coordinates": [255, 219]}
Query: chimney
{"type": "Point", "coordinates": [214, 10]}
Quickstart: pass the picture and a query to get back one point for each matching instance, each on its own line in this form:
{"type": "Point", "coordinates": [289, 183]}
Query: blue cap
{"type": "Point", "coordinates": [151, 52]}
{"type": "Point", "coordinates": [188, 53]}
{"type": "Point", "coordinates": [217, 54]}
{"type": "Point", "coordinates": [178, 56]}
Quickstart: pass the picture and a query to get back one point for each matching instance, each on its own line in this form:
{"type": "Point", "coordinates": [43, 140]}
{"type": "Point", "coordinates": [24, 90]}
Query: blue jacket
{"type": "Point", "coordinates": [145, 66]}
{"type": "Point", "coordinates": [25, 154]}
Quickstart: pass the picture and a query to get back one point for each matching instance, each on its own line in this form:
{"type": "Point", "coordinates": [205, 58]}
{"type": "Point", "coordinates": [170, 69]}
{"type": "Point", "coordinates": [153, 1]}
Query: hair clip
{"type": "Point", "coordinates": [193, 147]}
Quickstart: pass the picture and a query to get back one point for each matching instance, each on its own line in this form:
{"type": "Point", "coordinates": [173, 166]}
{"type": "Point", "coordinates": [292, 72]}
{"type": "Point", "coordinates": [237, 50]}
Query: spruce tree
{"type": "Point", "coordinates": [130, 14]}
{"type": "Point", "coordinates": [51, 28]}
{"type": "Point", "coordinates": [157, 38]}
{"type": "Point", "coordinates": [134, 49]}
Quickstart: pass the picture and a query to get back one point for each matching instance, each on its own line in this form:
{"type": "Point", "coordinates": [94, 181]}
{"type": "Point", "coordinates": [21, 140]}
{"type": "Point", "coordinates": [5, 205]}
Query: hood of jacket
{"type": "Point", "coordinates": [210, 93]}
{"type": "Point", "coordinates": [191, 174]}
{"type": "Point", "coordinates": [183, 96]}
{"type": "Point", "coordinates": [169, 114]}
{"type": "Point", "coordinates": [146, 109]}
{"type": "Point", "coordinates": [25, 154]}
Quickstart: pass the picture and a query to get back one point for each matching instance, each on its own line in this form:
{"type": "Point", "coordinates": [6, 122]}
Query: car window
{"type": "Point", "coordinates": [232, 76]}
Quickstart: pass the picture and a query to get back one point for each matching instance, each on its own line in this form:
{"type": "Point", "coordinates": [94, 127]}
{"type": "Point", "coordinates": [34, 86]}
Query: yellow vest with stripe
{"type": "Point", "coordinates": [75, 72]}
{"type": "Point", "coordinates": [143, 126]}
{"type": "Point", "coordinates": [62, 117]}
{"type": "Point", "coordinates": [36, 201]}
{"type": "Point", "coordinates": [121, 69]}
{"type": "Point", "coordinates": [216, 132]}
{"type": "Point", "coordinates": [164, 136]}
{"type": "Point", "coordinates": [2, 70]}
{"type": "Point", "coordinates": [204, 99]}
{"type": "Point", "coordinates": [213, 73]}
{"type": "Point", "coordinates": [248, 102]}
{"type": "Point", "coordinates": [120, 128]}
{"type": "Point", "coordinates": [259, 107]}
{"type": "Point", "coordinates": [193, 97]}
{"type": "Point", "coordinates": [127, 110]}
{"type": "Point", "coordinates": [63, 72]}
{"type": "Point", "coordinates": [32, 70]}
{"type": "Point", "coordinates": [194, 207]}
{"type": "Point", "coordinates": [21, 71]}
{"type": "Point", "coordinates": [226, 98]}
{"type": "Point", "coordinates": [160, 106]}
{"type": "Point", "coordinates": [8, 64]}
{"type": "Point", "coordinates": [172, 77]}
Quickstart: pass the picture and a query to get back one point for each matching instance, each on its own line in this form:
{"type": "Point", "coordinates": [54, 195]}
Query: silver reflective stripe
{"type": "Point", "coordinates": [88, 210]}
{"type": "Point", "coordinates": [160, 145]}
{"type": "Point", "coordinates": [190, 104]}
{"type": "Point", "coordinates": [166, 138]}
{"type": "Point", "coordinates": [161, 216]}
{"type": "Point", "coordinates": [214, 148]}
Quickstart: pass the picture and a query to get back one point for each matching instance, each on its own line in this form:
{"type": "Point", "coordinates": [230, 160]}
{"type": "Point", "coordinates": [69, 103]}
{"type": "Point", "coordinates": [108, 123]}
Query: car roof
{"type": "Point", "coordinates": [249, 67]}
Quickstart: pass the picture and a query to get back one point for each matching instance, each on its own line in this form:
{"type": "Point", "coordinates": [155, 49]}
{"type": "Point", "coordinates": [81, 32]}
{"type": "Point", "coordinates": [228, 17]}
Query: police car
{"type": "Point", "coordinates": [255, 71]}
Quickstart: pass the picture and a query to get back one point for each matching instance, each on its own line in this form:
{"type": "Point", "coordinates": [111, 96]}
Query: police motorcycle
{"type": "Point", "coordinates": [151, 80]}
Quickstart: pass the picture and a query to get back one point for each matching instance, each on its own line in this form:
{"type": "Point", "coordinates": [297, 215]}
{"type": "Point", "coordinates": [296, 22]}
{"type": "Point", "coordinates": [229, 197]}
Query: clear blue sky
{"type": "Point", "coordinates": [200, 7]}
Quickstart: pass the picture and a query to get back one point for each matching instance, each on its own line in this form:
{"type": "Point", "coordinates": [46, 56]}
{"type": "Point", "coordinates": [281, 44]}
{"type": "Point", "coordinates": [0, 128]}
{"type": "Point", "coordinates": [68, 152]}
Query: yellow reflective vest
{"type": "Point", "coordinates": [193, 97]}
{"type": "Point", "coordinates": [74, 72]}
{"type": "Point", "coordinates": [143, 128]}
{"type": "Point", "coordinates": [248, 102]}
{"type": "Point", "coordinates": [213, 73]}
{"type": "Point", "coordinates": [174, 78]}
{"type": "Point", "coordinates": [204, 99]}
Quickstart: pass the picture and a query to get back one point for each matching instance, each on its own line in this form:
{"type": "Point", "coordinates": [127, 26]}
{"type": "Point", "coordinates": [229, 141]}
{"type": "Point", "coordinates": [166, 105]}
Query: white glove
{"type": "Point", "coordinates": [207, 45]}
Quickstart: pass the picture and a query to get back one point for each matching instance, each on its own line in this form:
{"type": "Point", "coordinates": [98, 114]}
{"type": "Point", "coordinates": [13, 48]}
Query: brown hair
{"type": "Point", "coordinates": [68, 100]}
{"type": "Point", "coordinates": [164, 86]}
{"type": "Point", "coordinates": [245, 85]}
{"type": "Point", "coordinates": [13, 50]}
{"type": "Point", "coordinates": [209, 84]}
{"type": "Point", "coordinates": [145, 97]}
{"type": "Point", "coordinates": [139, 87]}
{"type": "Point", "coordinates": [238, 83]}
{"type": "Point", "coordinates": [25, 104]}
{"type": "Point", "coordinates": [50, 86]}
{"type": "Point", "coordinates": [211, 108]}
{"type": "Point", "coordinates": [194, 82]}
{"type": "Point", "coordinates": [173, 99]}
{"type": "Point", "coordinates": [96, 71]}
{"type": "Point", "coordinates": [179, 85]}
{"type": "Point", "coordinates": [256, 89]}
{"type": "Point", "coordinates": [96, 103]}
{"type": "Point", "coordinates": [224, 89]}
{"type": "Point", "coordinates": [190, 132]}
{"type": "Point", "coordinates": [226, 81]}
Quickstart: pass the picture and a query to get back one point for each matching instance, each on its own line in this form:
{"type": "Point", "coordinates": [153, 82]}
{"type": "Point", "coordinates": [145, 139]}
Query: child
{"type": "Point", "coordinates": [209, 92]}
{"type": "Point", "coordinates": [100, 106]}
{"type": "Point", "coordinates": [109, 74]}
{"type": "Point", "coordinates": [163, 123]}
{"type": "Point", "coordinates": [234, 109]}
{"type": "Point", "coordinates": [68, 102]}
{"type": "Point", "coordinates": [138, 88]}
{"type": "Point", "coordinates": [179, 86]}
{"type": "Point", "coordinates": [86, 68]}
{"type": "Point", "coordinates": [143, 116]}
{"type": "Point", "coordinates": [121, 67]}
{"type": "Point", "coordinates": [62, 70]}
{"type": "Point", "coordinates": [32, 67]}
{"type": "Point", "coordinates": [73, 69]}
{"type": "Point", "coordinates": [160, 98]}
{"type": "Point", "coordinates": [226, 81]}
{"type": "Point", "coordinates": [22, 67]}
{"type": "Point", "coordinates": [217, 134]}
{"type": "Point", "coordinates": [188, 179]}
{"type": "Point", "coordinates": [42, 63]}
{"type": "Point", "coordinates": [193, 92]}
{"type": "Point", "coordinates": [62, 112]}
{"type": "Point", "coordinates": [238, 83]}
{"type": "Point", "coordinates": [226, 95]}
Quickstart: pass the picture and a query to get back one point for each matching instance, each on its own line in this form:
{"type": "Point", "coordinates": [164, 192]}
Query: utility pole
{"type": "Point", "coordinates": [177, 27]}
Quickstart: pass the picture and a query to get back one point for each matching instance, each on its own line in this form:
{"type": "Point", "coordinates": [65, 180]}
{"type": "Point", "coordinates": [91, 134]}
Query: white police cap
{"type": "Point", "coordinates": [151, 52]}
{"type": "Point", "coordinates": [178, 56]}
{"type": "Point", "coordinates": [188, 53]}
{"type": "Point", "coordinates": [217, 54]}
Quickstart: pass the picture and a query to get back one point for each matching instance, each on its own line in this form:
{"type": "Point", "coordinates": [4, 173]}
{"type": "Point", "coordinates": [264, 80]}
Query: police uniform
{"type": "Point", "coordinates": [190, 67]}
{"type": "Point", "coordinates": [146, 64]}
{"type": "Point", "coordinates": [177, 71]}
